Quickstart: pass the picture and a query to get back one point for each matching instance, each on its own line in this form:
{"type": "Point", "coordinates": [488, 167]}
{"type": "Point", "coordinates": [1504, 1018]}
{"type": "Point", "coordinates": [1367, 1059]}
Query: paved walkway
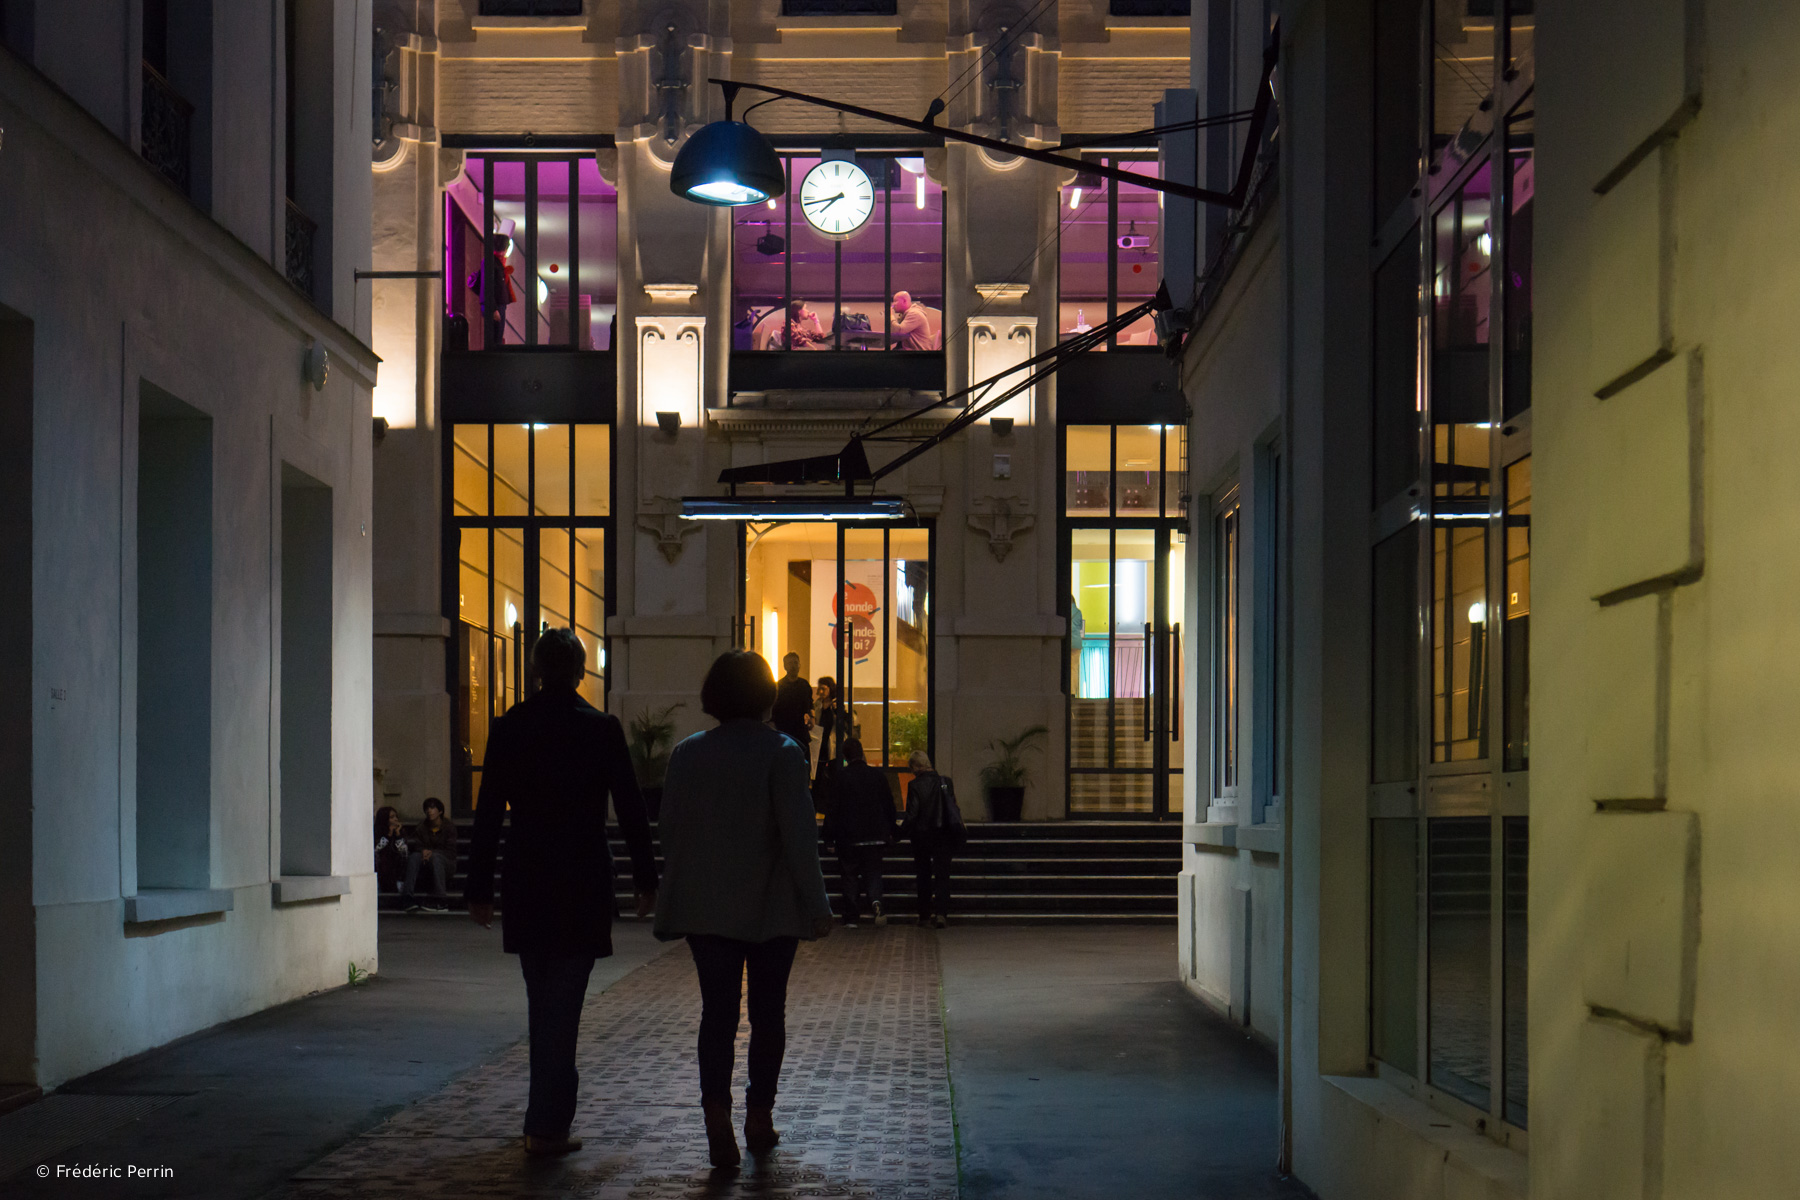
{"type": "Point", "coordinates": [866, 1111]}
{"type": "Point", "coordinates": [1079, 1069]}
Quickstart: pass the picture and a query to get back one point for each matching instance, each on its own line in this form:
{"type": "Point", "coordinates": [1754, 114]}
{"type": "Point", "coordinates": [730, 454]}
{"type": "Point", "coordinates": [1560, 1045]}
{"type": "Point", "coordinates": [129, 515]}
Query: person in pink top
{"type": "Point", "coordinates": [916, 326]}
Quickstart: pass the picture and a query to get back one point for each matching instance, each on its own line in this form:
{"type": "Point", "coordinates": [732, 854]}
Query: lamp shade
{"type": "Point", "coordinates": [727, 163]}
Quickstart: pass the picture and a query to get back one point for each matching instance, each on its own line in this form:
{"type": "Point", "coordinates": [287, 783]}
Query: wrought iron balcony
{"type": "Point", "coordinates": [164, 133]}
{"type": "Point", "coordinates": [300, 231]}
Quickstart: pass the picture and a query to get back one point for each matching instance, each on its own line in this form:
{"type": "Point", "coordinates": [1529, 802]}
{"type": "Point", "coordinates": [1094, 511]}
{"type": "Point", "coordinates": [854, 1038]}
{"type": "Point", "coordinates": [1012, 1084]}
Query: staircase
{"type": "Point", "coordinates": [1040, 872]}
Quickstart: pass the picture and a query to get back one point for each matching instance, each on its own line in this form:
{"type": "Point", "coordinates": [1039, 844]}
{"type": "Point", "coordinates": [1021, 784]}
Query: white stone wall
{"type": "Point", "coordinates": [120, 282]}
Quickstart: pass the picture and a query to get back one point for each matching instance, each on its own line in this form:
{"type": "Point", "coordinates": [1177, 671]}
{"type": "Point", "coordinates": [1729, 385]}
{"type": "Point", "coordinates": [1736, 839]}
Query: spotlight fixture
{"type": "Point", "coordinates": [669, 422]}
{"type": "Point", "coordinates": [727, 163]}
{"type": "Point", "coordinates": [1002, 426]}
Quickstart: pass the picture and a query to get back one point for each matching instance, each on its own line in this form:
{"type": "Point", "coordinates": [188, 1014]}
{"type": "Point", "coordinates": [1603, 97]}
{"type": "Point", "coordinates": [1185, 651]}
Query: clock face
{"type": "Point", "coordinates": [837, 198]}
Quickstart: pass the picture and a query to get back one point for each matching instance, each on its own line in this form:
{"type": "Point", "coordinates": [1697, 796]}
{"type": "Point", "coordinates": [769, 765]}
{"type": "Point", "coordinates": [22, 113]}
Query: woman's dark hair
{"type": "Point", "coordinates": [739, 684]}
{"type": "Point", "coordinates": [830, 686]}
{"type": "Point", "coordinates": [381, 819]}
{"type": "Point", "coordinates": [432, 802]}
{"type": "Point", "coordinates": [795, 308]}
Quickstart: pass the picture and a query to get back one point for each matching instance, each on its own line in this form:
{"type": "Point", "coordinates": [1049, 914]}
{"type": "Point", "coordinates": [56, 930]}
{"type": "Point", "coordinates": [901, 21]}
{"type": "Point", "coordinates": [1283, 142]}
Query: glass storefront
{"type": "Point", "coordinates": [853, 601]}
{"type": "Point", "coordinates": [1126, 568]}
{"type": "Point", "coordinates": [529, 511]}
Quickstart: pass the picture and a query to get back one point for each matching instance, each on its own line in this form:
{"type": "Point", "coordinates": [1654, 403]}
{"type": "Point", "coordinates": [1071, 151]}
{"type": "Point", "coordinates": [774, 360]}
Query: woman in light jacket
{"type": "Point", "coordinates": [742, 883]}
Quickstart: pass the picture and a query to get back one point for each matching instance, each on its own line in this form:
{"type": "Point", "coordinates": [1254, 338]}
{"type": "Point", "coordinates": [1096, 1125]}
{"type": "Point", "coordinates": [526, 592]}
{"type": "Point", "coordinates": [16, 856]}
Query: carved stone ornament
{"type": "Point", "coordinates": [1001, 518]}
{"type": "Point", "coordinates": [661, 518]}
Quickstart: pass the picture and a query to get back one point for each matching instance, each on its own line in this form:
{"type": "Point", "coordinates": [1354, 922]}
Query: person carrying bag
{"type": "Point", "coordinates": [935, 822]}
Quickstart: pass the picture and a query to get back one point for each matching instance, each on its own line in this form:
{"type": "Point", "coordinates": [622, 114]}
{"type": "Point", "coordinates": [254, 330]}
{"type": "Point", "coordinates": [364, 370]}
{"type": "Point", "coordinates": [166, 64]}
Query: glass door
{"type": "Point", "coordinates": [853, 603]}
{"type": "Point", "coordinates": [1125, 703]}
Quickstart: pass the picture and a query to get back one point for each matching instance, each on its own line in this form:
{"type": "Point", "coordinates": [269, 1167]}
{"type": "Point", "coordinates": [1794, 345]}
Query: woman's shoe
{"type": "Point", "coordinates": [721, 1142]}
{"type": "Point", "coordinates": [939, 922]}
{"type": "Point", "coordinates": [759, 1129]}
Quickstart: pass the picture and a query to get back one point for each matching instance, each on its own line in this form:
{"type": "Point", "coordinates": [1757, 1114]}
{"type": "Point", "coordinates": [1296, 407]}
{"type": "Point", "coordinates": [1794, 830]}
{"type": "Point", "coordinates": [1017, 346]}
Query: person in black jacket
{"type": "Point", "coordinates": [552, 760]}
{"type": "Point", "coordinates": [934, 822]}
{"type": "Point", "coordinates": [861, 817]}
{"type": "Point", "coordinates": [792, 714]}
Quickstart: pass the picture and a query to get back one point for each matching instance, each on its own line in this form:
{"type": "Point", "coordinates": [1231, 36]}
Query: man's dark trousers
{"type": "Point", "coordinates": [555, 986]}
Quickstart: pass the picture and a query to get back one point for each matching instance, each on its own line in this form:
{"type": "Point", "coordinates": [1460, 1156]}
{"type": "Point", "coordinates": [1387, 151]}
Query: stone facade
{"type": "Point", "coordinates": [468, 80]}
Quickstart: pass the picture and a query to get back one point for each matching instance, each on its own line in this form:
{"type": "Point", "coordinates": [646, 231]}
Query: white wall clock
{"type": "Point", "coordinates": [837, 197]}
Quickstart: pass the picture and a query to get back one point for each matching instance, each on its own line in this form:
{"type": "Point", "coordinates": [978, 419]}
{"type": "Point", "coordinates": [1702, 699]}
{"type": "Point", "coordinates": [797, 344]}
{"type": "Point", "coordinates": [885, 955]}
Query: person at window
{"type": "Point", "coordinates": [794, 705]}
{"type": "Point", "coordinates": [552, 761]}
{"type": "Point", "coordinates": [496, 289]}
{"type": "Point", "coordinates": [390, 849]}
{"type": "Point", "coordinates": [805, 330]}
{"type": "Point", "coordinates": [934, 822]}
{"type": "Point", "coordinates": [916, 326]}
{"type": "Point", "coordinates": [742, 883]}
{"type": "Point", "coordinates": [860, 815]}
{"type": "Point", "coordinates": [432, 850]}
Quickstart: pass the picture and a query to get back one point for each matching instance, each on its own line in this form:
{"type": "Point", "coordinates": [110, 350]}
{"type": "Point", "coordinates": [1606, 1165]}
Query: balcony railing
{"type": "Point", "coordinates": [531, 8]}
{"type": "Point", "coordinates": [165, 128]}
{"type": "Point", "coordinates": [300, 231]}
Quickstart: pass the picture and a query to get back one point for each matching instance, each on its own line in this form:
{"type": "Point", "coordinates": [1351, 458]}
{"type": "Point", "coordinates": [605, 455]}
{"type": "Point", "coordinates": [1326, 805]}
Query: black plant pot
{"type": "Point", "coordinates": [1005, 803]}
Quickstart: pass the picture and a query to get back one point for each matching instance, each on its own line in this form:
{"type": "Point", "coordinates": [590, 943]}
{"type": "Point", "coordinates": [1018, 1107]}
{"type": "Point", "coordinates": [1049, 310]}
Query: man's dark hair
{"type": "Point", "coordinates": [432, 802]}
{"type": "Point", "coordinates": [852, 749]}
{"type": "Point", "coordinates": [559, 659]}
{"type": "Point", "coordinates": [739, 684]}
{"type": "Point", "coordinates": [790, 661]}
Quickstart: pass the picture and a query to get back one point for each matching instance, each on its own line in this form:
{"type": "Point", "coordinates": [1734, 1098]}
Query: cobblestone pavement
{"type": "Point", "coordinates": [864, 1109]}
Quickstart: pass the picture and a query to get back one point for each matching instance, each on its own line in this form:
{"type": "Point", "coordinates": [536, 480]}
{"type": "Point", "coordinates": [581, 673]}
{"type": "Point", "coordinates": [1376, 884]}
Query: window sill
{"type": "Point", "coordinates": [874, 22]}
{"type": "Point", "coordinates": [172, 904]}
{"type": "Point", "coordinates": [1260, 839]}
{"type": "Point", "coordinates": [1505, 1171]}
{"type": "Point", "coordinates": [298, 889]}
{"type": "Point", "coordinates": [1222, 834]}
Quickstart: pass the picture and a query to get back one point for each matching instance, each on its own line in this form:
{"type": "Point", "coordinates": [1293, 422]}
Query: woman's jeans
{"type": "Point", "coordinates": [931, 864]}
{"type": "Point", "coordinates": [720, 962]}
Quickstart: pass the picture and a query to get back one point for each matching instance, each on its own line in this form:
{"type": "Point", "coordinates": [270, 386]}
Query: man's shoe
{"type": "Point", "coordinates": [413, 906]}
{"type": "Point", "coordinates": [547, 1147]}
{"type": "Point", "coordinates": [880, 917]}
{"type": "Point", "coordinates": [939, 922]}
{"type": "Point", "coordinates": [759, 1129]}
{"type": "Point", "coordinates": [721, 1142]}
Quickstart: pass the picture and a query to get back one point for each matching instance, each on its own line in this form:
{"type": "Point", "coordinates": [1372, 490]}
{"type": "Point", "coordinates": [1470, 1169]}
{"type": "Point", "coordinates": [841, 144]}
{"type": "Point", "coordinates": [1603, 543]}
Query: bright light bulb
{"type": "Point", "coordinates": [919, 191]}
{"type": "Point", "coordinates": [771, 204]}
{"type": "Point", "coordinates": [728, 191]}
{"type": "Point", "coordinates": [1477, 613]}
{"type": "Point", "coordinates": [512, 615]}
{"type": "Point", "coordinates": [1075, 196]}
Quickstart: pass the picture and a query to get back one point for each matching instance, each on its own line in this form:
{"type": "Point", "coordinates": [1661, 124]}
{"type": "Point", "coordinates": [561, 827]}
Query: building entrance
{"type": "Point", "coordinates": [854, 602]}
{"type": "Point", "coordinates": [530, 515]}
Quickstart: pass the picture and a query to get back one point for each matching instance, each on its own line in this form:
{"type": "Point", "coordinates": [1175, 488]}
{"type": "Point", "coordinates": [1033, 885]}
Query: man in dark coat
{"type": "Point", "coordinates": [552, 759]}
{"type": "Point", "coordinates": [792, 714]}
{"type": "Point", "coordinates": [861, 821]}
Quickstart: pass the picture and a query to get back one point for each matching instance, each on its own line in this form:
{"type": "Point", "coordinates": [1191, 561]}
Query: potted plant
{"type": "Point", "coordinates": [1006, 776]}
{"type": "Point", "coordinates": [652, 737]}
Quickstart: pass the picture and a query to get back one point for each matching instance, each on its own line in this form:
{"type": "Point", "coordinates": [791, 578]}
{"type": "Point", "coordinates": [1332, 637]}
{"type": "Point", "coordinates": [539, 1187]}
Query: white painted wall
{"type": "Point", "coordinates": [125, 281]}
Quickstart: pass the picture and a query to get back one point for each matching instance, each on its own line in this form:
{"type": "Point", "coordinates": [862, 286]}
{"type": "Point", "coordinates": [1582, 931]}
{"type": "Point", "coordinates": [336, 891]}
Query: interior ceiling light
{"type": "Point", "coordinates": [727, 163]}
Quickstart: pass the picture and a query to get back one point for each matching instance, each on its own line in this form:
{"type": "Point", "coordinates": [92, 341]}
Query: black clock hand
{"type": "Point", "coordinates": [826, 200]}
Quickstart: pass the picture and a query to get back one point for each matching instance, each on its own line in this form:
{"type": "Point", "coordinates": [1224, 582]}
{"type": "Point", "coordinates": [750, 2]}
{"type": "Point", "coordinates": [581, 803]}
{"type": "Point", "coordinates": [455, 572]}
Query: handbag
{"type": "Point", "coordinates": [949, 817]}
